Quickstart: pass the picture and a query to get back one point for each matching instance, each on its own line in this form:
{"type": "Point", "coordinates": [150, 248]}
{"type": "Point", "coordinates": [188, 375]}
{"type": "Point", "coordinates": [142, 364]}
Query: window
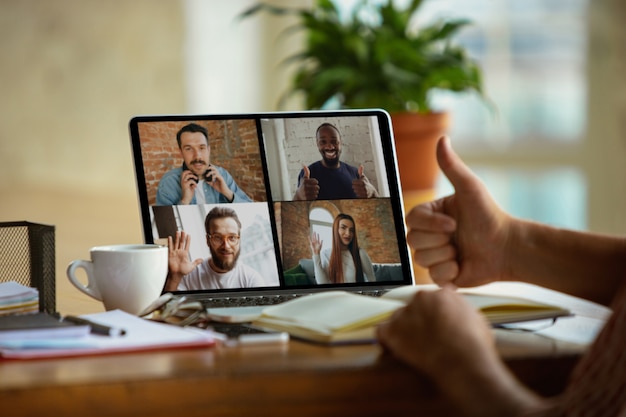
{"type": "Point", "coordinates": [533, 55]}
{"type": "Point", "coordinates": [321, 222]}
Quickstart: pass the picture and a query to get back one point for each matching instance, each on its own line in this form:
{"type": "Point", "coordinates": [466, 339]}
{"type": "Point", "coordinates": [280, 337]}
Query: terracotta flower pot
{"type": "Point", "coordinates": [416, 137]}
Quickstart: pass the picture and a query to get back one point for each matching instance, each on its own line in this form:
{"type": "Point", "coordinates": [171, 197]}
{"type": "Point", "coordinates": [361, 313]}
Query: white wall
{"type": "Point", "coordinates": [233, 65]}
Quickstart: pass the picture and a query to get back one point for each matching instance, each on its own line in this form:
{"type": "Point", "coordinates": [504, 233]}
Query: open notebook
{"type": "Point", "coordinates": [260, 158]}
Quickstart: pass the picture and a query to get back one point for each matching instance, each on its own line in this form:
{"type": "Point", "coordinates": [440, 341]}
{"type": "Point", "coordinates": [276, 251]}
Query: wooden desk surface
{"type": "Point", "coordinates": [293, 379]}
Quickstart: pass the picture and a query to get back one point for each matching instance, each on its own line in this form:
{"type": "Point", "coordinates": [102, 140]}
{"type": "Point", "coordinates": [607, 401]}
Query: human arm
{"type": "Point", "coordinates": [308, 188]}
{"type": "Point", "coordinates": [582, 264]}
{"type": "Point", "coordinates": [179, 264]}
{"type": "Point", "coordinates": [170, 189]}
{"type": "Point", "coordinates": [224, 183]}
{"type": "Point", "coordinates": [321, 277]}
{"type": "Point", "coordinates": [466, 239]}
{"type": "Point", "coordinates": [441, 335]}
{"type": "Point", "coordinates": [188, 184]}
{"type": "Point", "coordinates": [368, 268]}
{"type": "Point", "coordinates": [362, 186]}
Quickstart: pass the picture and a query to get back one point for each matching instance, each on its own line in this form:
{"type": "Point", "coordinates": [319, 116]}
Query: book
{"type": "Point", "coordinates": [141, 335]}
{"type": "Point", "coordinates": [37, 326]}
{"type": "Point", "coordinates": [329, 317]}
{"type": "Point", "coordinates": [17, 298]}
{"type": "Point", "coordinates": [497, 309]}
{"type": "Point", "coordinates": [336, 317]}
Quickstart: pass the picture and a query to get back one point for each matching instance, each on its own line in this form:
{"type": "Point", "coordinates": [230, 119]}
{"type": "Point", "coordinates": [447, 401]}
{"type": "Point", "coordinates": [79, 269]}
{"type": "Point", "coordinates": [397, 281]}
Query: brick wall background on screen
{"type": "Point", "coordinates": [374, 225]}
{"type": "Point", "coordinates": [234, 146]}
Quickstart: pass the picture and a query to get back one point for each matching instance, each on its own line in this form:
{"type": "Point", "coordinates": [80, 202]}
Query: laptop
{"type": "Point", "coordinates": [283, 245]}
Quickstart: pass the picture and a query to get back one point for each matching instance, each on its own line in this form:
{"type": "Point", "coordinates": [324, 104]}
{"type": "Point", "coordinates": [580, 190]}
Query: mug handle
{"type": "Point", "coordinates": [90, 289]}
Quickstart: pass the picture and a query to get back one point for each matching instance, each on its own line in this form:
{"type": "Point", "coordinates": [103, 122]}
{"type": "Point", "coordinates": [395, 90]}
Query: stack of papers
{"type": "Point", "coordinates": [16, 298]}
{"type": "Point", "coordinates": [140, 335]}
{"type": "Point", "coordinates": [27, 327]}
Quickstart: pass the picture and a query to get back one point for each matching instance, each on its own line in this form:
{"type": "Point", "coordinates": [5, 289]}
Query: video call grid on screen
{"type": "Point", "coordinates": [264, 154]}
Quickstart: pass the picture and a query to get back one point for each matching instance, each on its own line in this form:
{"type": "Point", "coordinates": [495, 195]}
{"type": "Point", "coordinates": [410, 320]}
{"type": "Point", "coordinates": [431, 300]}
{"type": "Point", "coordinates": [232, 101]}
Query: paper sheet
{"type": "Point", "coordinates": [141, 334]}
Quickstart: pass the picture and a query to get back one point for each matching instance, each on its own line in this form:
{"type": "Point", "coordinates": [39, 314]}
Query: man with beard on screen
{"type": "Point", "coordinates": [222, 269]}
{"type": "Point", "coordinates": [197, 181]}
{"type": "Point", "coordinates": [331, 179]}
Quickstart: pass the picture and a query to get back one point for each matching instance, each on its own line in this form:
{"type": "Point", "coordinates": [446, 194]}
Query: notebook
{"type": "Point", "coordinates": [252, 164]}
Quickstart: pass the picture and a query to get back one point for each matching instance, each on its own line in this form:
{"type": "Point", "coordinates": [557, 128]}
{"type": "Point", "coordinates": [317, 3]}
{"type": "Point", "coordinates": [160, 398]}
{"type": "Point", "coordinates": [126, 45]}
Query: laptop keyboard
{"type": "Point", "coordinates": [262, 300]}
{"type": "Point", "coordinates": [247, 300]}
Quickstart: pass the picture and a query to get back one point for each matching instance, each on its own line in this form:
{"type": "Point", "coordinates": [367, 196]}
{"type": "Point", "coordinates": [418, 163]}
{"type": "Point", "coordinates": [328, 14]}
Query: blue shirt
{"type": "Point", "coordinates": [170, 192]}
{"type": "Point", "coordinates": [335, 183]}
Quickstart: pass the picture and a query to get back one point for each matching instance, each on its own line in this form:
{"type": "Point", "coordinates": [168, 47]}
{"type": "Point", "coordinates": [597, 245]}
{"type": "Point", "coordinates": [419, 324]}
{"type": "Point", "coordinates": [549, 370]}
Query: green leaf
{"type": "Point", "coordinates": [374, 58]}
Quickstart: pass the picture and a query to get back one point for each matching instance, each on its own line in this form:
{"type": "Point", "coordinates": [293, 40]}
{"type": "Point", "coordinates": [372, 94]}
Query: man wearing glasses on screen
{"type": "Point", "coordinates": [222, 269]}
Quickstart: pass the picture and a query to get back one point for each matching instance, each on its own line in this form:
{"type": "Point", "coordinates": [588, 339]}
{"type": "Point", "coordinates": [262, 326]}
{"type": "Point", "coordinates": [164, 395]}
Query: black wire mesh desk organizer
{"type": "Point", "coordinates": [27, 256]}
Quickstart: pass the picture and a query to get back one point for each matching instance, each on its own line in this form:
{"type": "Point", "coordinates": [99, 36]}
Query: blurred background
{"type": "Point", "coordinates": [75, 71]}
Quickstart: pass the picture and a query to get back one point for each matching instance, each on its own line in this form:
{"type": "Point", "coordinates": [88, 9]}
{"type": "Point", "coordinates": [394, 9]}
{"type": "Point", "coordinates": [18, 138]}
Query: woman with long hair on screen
{"type": "Point", "coordinates": [345, 261]}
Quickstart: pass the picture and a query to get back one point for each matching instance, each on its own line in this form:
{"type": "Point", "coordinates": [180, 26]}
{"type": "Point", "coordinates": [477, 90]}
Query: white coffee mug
{"type": "Point", "coordinates": [125, 277]}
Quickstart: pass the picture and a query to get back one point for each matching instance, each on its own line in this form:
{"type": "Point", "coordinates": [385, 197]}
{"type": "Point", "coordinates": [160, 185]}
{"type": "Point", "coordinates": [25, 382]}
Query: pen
{"type": "Point", "coordinates": [96, 327]}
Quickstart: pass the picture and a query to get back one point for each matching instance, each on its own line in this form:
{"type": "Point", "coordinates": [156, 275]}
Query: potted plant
{"type": "Point", "coordinates": [376, 59]}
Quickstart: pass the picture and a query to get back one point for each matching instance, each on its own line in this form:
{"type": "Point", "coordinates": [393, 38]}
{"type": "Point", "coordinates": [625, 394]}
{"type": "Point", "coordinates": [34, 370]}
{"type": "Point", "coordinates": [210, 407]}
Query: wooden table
{"type": "Point", "coordinates": [294, 379]}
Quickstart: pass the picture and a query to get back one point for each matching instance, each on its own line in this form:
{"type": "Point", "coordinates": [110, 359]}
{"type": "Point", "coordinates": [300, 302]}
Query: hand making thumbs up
{"type": "Point", "coordinates": [459, 238]}
{"type": "Point", "coordinates": [362, 186]}
{"type": "Point", "coordinates": [309, 188]}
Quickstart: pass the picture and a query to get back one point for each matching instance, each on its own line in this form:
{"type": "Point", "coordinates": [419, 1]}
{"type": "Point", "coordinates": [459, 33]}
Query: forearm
{"type": "Point", "coordinates": [582, 264]}
{"type": "Point", "coordinates": [299, 194]}
{"type": "Point", "coordinates": [172, 281]}
{"type": "Point", "coordinates": [319, 270]}
{"type": "Point", "coordinates": [368, 267]}
{"type": "Point", "coordinates": [372, 192]}
{"type": "Point", "coordinates": [486, 388]}
{"type": "Point", "coordinates": [230, 196]}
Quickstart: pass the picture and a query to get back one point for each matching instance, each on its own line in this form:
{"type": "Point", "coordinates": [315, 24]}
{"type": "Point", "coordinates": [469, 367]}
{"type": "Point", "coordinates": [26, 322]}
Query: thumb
{"type": "Point", "coordinates": [459, 174]}
{"type": "Point", "coordinates": [307, 172]}
{"type": "Point", "coordinates": [361, 171]}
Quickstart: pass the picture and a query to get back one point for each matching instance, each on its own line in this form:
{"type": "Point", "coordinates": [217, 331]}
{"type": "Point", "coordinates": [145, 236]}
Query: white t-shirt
{"type": "Point", "coordinates": [200, 199]}
{"type": "Point", "coordinates": [321, 261]}
{"type": "Point", "coordinates": [205, 278]}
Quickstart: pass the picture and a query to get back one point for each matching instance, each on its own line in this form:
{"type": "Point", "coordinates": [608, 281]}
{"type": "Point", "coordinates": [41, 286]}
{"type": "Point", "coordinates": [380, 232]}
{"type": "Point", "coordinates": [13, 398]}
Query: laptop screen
{"type": "Point", "coordinates": [273, 201]}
